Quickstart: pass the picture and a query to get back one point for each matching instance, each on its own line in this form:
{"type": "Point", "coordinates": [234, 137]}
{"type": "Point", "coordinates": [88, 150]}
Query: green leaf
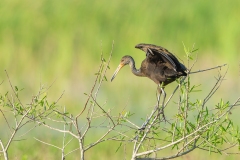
{"type": "Point", "coordinates": [229, 124]}
{"type": "Point", "coordinates": [238, 144]}
{"type": "Point", "coordinates": [103, 59]}
{"type": "Point", "coordinates": [105, 78]}
{"type": "Point", "coordinates": [185, 49]}
{"type": "Point", "coordinates": [222, 128]}
{"type": "Point", "coordinates": [195, 50]}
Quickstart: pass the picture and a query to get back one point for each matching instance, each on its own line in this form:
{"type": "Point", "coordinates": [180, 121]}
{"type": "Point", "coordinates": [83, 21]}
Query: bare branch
{"type": "Point", "coordinates": [47, 143]}
{"type": "Point", "coordinates": [6, 120]}
{"type": "Point", "coordinates": [220, 66]}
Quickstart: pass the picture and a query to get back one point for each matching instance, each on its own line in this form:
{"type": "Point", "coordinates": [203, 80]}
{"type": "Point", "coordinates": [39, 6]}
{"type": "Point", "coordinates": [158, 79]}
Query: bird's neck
{"type": "Point", "coordinates": [135, 71]}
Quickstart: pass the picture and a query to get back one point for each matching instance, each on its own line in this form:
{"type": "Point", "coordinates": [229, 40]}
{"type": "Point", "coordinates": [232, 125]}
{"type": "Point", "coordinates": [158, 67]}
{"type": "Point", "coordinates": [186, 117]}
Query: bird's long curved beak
{"type": "Point", "coordinates": [116, 72]}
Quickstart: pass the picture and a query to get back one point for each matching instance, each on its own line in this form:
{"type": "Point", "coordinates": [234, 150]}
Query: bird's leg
{"type": "Point", "coordinates": [158, 96]}
{"type": "Point", "coordinates": [162, 107]}
{"type": "Point", "coordinates": [164, 96]}
{"type": "Point", "coordinates": [155, 109]}
{"type": "Point", "coordinates": [161, 92]}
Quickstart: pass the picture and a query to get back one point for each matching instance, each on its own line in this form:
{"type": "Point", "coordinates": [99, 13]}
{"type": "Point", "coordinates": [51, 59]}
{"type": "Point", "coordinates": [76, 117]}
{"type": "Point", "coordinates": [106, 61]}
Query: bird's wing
{"type": "Point", "coordinates": [157, 54]}
{"type": "Point", "coordinates": [165, 56]}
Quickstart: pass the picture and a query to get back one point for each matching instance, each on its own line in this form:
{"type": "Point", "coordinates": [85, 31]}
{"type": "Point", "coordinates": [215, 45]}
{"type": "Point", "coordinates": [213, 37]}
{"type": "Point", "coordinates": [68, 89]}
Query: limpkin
{"type": "Point", "coordinates": [160, 65]}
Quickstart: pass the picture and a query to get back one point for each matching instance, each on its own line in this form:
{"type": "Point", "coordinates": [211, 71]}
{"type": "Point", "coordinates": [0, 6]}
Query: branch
{"type": "Point", "coordinates": [6, 120]}
{"type": "Point", "coordinates": [220, 66]}
{"type": "Point", "coordinates": [47, 143]}
{"type": "Point", "coordinates": [13, 89]}
{"type": "Point", "coordinates": [4, 150]}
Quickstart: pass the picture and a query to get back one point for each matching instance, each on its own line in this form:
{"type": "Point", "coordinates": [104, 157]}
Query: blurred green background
{"type": "Point", "coordinates": [48, 41]}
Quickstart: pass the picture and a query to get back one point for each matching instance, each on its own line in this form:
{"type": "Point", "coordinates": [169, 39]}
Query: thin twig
{"type": "Point", "coordinates": [104, 111]}
{"type": "Point", "coordinates": [64, 135]}
{"type": "Point", "coordinates": [220, 66]}
{"type": "Point", "coordinates": [47, 143]}
{"type": "Point", "coordinates": [13, 89]}
{"type": "Point", "coordinates": [6, 120]}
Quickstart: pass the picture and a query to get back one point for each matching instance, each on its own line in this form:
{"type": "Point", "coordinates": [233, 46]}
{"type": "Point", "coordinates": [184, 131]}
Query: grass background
{"type": "Point", "coordinates": [61, 41]}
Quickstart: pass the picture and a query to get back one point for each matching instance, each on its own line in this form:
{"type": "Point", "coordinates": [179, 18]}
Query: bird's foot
{"type": "Point", "coordinates": [161, 112]}
{"type": "Point", "coordinates": [143, 127]}
{"type": "Point", "coordinates": [163, 115]}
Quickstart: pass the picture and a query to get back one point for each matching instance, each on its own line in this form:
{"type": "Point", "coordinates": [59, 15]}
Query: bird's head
{"type": "Point", "coordinates": [124, 61]}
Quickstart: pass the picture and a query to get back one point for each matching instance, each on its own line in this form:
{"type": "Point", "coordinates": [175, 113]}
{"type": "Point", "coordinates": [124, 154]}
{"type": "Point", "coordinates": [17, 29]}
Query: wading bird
{"type": "Point", "coordinates": [160, 65]}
